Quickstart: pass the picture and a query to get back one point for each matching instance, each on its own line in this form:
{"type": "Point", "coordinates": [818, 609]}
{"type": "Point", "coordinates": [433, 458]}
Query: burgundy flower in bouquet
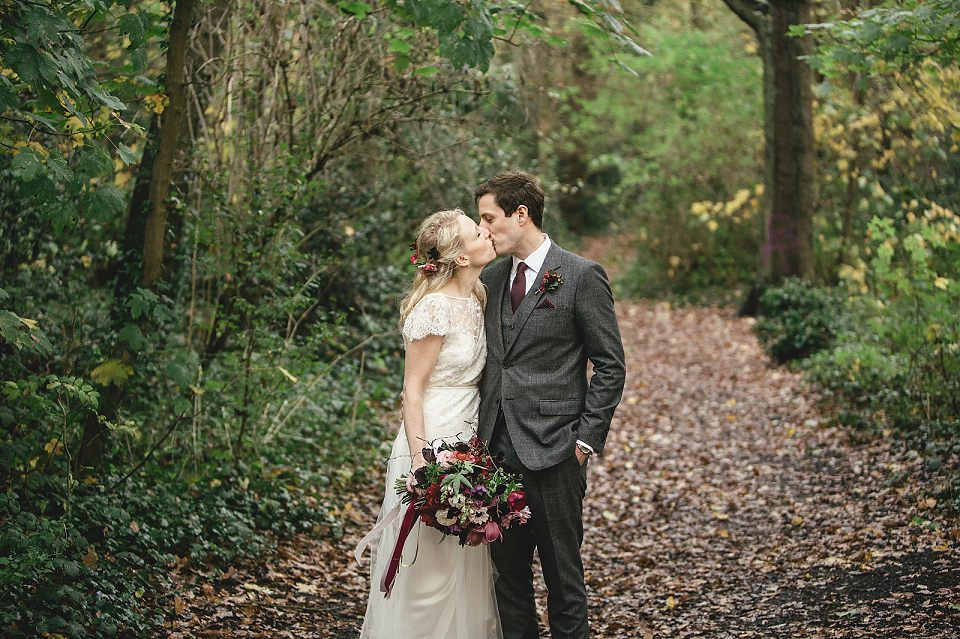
{"type": "Point", "coordinates": [462, 492]}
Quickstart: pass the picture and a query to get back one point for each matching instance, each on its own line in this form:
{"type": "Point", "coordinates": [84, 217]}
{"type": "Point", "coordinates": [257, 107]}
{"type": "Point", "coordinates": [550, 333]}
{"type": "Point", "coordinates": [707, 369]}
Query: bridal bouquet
{"type": "Point", "coordinates": [461, 491]}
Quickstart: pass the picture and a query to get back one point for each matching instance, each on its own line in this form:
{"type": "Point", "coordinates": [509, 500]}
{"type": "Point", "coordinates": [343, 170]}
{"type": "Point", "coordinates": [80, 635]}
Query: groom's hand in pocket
{"type": "Point", "coordinates": [581, 457]}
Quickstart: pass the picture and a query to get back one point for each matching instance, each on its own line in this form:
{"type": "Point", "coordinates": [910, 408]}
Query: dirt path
{"type": "Point", "coordinates": [721, 507]}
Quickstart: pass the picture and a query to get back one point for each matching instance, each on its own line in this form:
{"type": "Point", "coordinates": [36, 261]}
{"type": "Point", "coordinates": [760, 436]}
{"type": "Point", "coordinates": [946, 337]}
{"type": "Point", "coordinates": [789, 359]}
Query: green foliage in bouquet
{"type": "Point", "coordinates": [462, 492]}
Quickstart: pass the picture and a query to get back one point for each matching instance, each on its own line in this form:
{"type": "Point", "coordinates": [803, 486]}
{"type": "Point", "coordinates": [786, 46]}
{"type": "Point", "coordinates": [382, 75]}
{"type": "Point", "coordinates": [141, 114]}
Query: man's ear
{"type": "Point", "coordinates": [526, 213]}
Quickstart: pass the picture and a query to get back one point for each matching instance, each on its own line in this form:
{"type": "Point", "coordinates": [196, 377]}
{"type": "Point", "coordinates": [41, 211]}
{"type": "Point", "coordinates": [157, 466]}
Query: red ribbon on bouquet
{"type": "Point", "coordinates": [390, 574]}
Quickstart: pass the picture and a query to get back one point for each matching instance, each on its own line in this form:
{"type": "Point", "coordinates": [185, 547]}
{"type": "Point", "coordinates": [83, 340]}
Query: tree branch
{"type": "Point", "coordinates": [751, 12]}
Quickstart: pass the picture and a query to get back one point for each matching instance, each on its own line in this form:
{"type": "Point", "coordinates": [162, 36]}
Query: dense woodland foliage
{"type": "Point", "coordinates": [207, 205]}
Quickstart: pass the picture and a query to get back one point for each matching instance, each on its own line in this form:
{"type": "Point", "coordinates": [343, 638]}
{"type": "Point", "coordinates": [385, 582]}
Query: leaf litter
{"type": "Point", "coordinates": [725, 504]}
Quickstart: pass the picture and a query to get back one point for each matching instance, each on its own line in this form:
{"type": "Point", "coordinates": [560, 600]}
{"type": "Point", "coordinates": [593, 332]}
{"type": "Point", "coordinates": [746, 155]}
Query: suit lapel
{"type": "Point", "coordinates": [552, 262]}
{"type": "Point", "coordinates": [499, 274]}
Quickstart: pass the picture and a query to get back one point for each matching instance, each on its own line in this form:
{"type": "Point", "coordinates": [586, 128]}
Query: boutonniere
{"type": "Point", "coordinates": [550, 281]}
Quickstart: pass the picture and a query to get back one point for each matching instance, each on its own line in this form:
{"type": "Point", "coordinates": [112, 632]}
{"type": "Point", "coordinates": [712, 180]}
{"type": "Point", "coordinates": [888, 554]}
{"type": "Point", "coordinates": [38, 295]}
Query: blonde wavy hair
{"type": "Point", "coordinates": [440, 231]}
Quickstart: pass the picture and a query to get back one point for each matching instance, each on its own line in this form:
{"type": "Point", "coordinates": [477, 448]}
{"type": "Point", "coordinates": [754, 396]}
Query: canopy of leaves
{"type": "Point", "coordinates": [896, 35]}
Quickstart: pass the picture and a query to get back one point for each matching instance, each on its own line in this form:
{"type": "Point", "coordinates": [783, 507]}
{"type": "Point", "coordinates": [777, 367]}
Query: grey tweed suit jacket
{"type": "Point", "coordinates": [536, 365]}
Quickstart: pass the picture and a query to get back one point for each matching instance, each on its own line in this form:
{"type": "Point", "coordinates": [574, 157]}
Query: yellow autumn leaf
{"type": "Point", "coordinates": [941, 283]}
{"type": "Point", "coordinates": [112, 371]}
{"type": "Point", "coordinates": [156, 102]}
{"type": "Point", "coordinates": [53, 447]}
{"type": "Point", "coordinates": [29, 323]}
{"type": "Point", "coordinates": [90, 559]}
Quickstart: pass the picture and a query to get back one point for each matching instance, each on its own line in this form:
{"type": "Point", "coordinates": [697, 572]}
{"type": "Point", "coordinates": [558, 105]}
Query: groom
{"type": "Point", "coordinates": [548, 312]}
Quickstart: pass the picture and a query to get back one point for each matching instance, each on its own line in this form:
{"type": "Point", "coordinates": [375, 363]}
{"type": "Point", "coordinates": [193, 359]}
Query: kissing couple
{"type": "Point", "coordinates": [499, 351]}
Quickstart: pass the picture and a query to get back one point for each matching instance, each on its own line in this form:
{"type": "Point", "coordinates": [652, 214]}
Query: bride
{"type": "Point", "coordinates": [443, 591]}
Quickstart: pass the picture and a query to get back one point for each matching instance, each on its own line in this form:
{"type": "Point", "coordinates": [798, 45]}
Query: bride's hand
{"type": "Point", "coordinates": [416, 461]}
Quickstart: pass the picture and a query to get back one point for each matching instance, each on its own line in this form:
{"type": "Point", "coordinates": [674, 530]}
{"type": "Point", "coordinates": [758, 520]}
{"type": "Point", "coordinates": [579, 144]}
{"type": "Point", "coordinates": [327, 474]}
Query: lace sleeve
{"type": "Point", "coordinates": [429, 317]}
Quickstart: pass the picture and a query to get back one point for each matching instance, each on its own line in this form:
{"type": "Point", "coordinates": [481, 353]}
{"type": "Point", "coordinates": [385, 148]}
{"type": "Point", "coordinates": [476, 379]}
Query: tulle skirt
{"type": "Point", "coordinates": [443, 590]}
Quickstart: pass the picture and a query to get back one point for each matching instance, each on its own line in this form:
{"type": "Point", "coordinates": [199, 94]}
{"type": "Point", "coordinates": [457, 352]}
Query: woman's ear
{"type": "Point", "coordinates": [462, 260]}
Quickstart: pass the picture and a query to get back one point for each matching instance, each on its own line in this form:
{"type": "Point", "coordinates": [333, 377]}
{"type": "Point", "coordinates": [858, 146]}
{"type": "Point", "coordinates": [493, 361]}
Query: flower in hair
{"type": "Point", "coordinates": [429, 264]}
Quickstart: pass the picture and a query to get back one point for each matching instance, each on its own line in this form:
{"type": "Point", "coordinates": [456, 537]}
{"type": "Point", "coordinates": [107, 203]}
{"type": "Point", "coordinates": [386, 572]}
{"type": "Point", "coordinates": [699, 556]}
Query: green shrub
{"type": "Point", "coordinates": [797, 320]}
{"type": "Point", "coordinates": [860, 370]}
{"type": "Point", "coordinates": [84, 555]}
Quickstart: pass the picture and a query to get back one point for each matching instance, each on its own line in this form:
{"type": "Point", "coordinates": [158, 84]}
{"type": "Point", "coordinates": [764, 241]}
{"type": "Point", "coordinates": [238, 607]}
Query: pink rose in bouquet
{"type": "Point", "coordinates": [462, 492]}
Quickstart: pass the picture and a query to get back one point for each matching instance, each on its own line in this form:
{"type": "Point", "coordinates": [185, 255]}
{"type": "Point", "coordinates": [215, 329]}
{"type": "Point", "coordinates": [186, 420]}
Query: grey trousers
{"type": "Point", "coordinates": [555, 530]}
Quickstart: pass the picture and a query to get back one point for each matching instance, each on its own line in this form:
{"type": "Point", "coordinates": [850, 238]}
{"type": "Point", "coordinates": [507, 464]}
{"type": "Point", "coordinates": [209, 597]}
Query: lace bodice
{"type": "Point", "coordinates": [460, 321]}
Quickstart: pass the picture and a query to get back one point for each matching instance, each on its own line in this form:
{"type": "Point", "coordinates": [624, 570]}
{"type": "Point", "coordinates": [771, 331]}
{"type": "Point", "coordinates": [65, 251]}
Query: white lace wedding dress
{"type": "Point", "coordinates": [447, 592]}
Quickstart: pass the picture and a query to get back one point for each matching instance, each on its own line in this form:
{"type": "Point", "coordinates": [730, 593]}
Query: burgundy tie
{"type": "Point", "coordinates": [519, 288]}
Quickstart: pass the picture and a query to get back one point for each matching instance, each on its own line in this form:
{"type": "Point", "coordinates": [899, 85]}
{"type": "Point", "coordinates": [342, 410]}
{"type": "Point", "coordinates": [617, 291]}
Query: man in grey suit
{"type": "Point", "coordinates": [548, 312]}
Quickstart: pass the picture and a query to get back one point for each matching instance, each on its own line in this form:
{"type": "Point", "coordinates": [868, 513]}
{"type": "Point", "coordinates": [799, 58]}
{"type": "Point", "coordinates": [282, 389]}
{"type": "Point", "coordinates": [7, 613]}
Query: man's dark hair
{"type": "Point", "coordinates": [511, 189]}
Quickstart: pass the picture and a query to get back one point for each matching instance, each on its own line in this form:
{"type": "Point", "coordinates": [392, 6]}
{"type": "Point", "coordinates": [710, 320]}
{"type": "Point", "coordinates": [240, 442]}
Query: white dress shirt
{"type": "Point", "coordinates": [534, 261]}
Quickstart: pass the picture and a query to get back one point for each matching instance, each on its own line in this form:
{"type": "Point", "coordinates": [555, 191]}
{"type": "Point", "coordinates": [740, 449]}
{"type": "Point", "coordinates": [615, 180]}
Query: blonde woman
{"type": "Point", "coordinates": [442, 591]}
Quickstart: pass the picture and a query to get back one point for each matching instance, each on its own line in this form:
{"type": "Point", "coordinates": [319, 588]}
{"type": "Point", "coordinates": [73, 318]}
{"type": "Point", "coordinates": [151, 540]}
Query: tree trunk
{"type": "Point", "coordinates": [175, 87]}
{"type": "Point", "coordinates": [156, 166]}
{"type": "Point", "coordinates": [787, 247]}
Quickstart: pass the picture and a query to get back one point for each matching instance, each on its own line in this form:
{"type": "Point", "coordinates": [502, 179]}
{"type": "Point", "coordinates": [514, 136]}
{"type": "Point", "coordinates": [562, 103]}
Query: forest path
{"type": "Point", "coordinates": [721, 507]}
